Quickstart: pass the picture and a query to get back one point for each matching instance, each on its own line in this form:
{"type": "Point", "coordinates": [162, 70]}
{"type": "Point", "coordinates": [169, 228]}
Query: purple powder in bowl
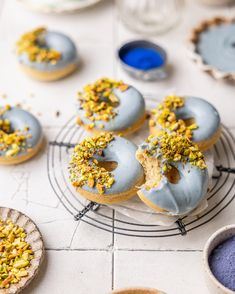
{"type": "Point", "coordinates": [222, 263]}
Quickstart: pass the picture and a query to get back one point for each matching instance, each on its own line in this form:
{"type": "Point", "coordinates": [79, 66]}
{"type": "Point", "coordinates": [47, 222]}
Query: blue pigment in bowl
{"type": "Point", "coordinates": [222, 263]}
{"type": "Point", "coordinates": [143, 58]}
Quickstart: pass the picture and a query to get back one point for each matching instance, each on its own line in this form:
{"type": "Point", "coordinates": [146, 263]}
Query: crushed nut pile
{"type": "Point", "coordinates": [166, 118]}
{"type": "Point", "coordinates": [174, 147]}
{"type": "Point", "coordinates": [99, 101]}
{"type": "Point", "coordinates": [11, 142]}
{"type": "Point", "coordinates": [32, 43]}
{"type": "Point", "coordinates": [84, 168]}
{"type": "Point", "coordinates": [15, 254]}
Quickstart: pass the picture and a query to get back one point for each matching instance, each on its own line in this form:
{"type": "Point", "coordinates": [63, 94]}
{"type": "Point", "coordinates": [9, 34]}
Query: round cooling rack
{"type": "Point", "coordinates": [222, 192]}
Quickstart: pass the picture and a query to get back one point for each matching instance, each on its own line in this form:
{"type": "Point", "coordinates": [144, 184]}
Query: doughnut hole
{"type": "Point", "coordinates": [173, 175]}
{"type": "Point", "coordinates": [115, 103]}
{"type": "Point", "coordinates": [7, 127]}
{"type": "Point", "coordinates": [108, 165]}
{"type": "Point", "coordinates": [189, 121]}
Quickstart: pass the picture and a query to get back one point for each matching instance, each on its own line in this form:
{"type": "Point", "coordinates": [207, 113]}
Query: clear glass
{"type": "Point", "coordinates": [150, 16]}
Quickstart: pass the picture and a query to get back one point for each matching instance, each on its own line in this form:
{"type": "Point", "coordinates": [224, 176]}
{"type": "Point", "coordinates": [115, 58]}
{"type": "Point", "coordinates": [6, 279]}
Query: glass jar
{"type": "Point", "coordinates": [150, 16]}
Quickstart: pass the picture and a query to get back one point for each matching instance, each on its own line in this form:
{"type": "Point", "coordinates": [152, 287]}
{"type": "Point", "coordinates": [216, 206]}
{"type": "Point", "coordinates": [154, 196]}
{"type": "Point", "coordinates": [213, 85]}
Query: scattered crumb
{"type": "Point", "coordinates": [4, 96]}
{"type": "Point", "coordinates": [57, 114]}
{"type": "Point", "coordinates": [31, 95]}
{"type": "Point", "coordinates": [39, 114]}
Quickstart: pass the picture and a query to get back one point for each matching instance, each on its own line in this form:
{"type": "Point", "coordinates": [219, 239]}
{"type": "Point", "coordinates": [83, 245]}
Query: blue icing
{"type": "Point", "coordinates": [59, 42]}
{"type": "Point", "coordinates": [20, 119]}
{"type": "Point", "coordinates": [217, 47]}
{"type": "Point", "coordinates": [183, 196]}
{"type": "Point", "coordinates": [206, 116]}
{"type": "Point", "coordinates": [131, 108]}
{"type": "Point", "coordinates": [128, 171]}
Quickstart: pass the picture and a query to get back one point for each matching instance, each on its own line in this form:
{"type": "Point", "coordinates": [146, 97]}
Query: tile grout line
{"type": "Point", "coordinates": [113, 240]}
{"type": "Point", "coordinates": [115, 37]}
{"type": "Point", "coordinates": [122, 250]}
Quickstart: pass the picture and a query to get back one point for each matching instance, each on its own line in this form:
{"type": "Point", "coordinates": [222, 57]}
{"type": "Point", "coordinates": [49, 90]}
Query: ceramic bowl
{"type": "Point", "coordinates": [137, 290]}
{"type": "Point", "coordinates": [157, 73]}
{"type": "Point", "coordinates": [217, 238]}
{"type": "Point", "coordinates": [197, 58]}
{"type": "Point", "coordinates": [34, 238]}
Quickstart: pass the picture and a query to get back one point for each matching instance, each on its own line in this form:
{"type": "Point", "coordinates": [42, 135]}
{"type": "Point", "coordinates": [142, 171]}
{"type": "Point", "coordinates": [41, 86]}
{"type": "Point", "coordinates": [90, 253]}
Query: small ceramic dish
{"type": "Point", "coordinates": [156, 73]}
{"type": "Point", "coordinates": [217, 238]}
{"type": "Point", "coordinates": [137, 290]}
{"type": "Point", "coordinates": [34, 238]}
{"type": "Point", "coordinates": [214, 38]}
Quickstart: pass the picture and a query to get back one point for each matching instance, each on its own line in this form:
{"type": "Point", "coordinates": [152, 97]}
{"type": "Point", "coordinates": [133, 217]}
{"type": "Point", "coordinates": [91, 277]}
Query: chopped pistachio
{"type": "Point", "coordinates": [99, 101]}
{"type": "Point", "coordinates": [85, 169]}
{"type": "Point", "coordinates": [11, 142]}
{"type": "Point", "coordinates": [15, 254]}
{"type": "Point", "coordinates": [29, 44]}
{"type": "Point", "coordinates": [173, 147]}
{"type": "Point", "coordinates": [164, 116]}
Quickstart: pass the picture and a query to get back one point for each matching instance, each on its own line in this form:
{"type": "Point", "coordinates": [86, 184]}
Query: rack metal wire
{"type": "Point", "coordinates": [222, 192]}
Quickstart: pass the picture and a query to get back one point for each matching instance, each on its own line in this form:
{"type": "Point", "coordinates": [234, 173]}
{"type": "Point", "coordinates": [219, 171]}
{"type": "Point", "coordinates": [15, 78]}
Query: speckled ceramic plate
{"type": "Point", "coordinates": [58, 6]}
{"type": "Point", "coordinates": [193, 43]}
{"type": "Point", "coordinates": [34, 238]}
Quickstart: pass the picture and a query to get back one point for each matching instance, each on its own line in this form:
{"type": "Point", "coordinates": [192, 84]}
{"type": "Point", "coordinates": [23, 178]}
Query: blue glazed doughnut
{"type": "Point", "coordinates": [21, 123]}
{"type": "Point", "coordinates": [216, 45]}
{"type": "Point", "coordinates": [127, 112]}
{"type": "Point", "coordinates": [59, 60]}
{"type": "Point", "coordinates": [175, 182]}
{"type": "Point", "coordinates": [204, 128]}
{"type": "Point", "coordinates": [121, 183]}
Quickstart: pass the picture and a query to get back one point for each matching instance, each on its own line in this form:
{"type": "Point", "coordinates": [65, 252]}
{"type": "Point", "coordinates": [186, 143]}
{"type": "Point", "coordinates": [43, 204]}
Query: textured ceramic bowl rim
{"type": "Point", "coordinates": [142, 289]}
{"type": "Point", "coordinates": [147, 44]}
{"type": "Point", "coordinates": [197, 58]}
{"type": "Point", "coordinates": [47, 9]}
{"type": "Point", "coordinates": [207, 250]}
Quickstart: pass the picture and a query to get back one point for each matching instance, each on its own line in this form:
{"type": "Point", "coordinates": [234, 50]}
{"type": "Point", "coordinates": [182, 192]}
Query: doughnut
{"type": "Point", "coordinates": [47, 55]}
{"type": "Point", "coordinates": [176, 176]}
{"type": "Point", "coordinates": [20, 135]}
{"type": "Point", "coordinates": [193, 117]}
{"type": "Point", "coordinates": [110, 106]}
{"type": "Point", "coordinates": [103, 169]}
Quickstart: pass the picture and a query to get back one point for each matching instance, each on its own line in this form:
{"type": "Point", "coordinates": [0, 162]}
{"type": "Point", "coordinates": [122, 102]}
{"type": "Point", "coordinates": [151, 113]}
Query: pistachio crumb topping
{"type": "Point", "coordinates": [33, 44]}
{"type": "Point", "coordinates": [11, 142]}
{"type": "Point", "coordinates": [174, 148]}
{"type": "Point", "coordinates": [15, 254]}
{"type": "Point", "coordinates": [99, 101]}
{"type": "Point", "coordinates": [84, 167]}
{"type": "Point", "coordinates": [166, 118]}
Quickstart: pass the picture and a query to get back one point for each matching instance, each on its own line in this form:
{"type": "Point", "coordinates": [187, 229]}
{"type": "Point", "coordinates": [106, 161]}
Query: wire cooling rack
{"type": "Point", "coordinates": [220, 196]}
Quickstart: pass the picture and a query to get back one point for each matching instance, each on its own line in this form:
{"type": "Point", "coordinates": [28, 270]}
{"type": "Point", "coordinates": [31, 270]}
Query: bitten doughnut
{"type": "Point", "coordinates": [20, 135]}
{"type": "Point", "coordinates": [192, 117]}
{"type": "Point", "coordinates": [110, 106]}
{"type": "Point", "coordinates": [104, 169]}
{"type": "Point", "coordinates": [175, 172]}
{"type": "Point", "coordinates": [47, 55]}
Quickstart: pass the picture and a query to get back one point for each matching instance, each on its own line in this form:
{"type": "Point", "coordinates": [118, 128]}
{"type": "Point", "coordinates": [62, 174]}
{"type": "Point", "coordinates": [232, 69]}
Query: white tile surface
{"type": "Point", "coordinates": [76, 272]}
{"type": "Point", "coordinates": [82, 258]}
{"type": "Point", "coordinates": [160, 270]}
